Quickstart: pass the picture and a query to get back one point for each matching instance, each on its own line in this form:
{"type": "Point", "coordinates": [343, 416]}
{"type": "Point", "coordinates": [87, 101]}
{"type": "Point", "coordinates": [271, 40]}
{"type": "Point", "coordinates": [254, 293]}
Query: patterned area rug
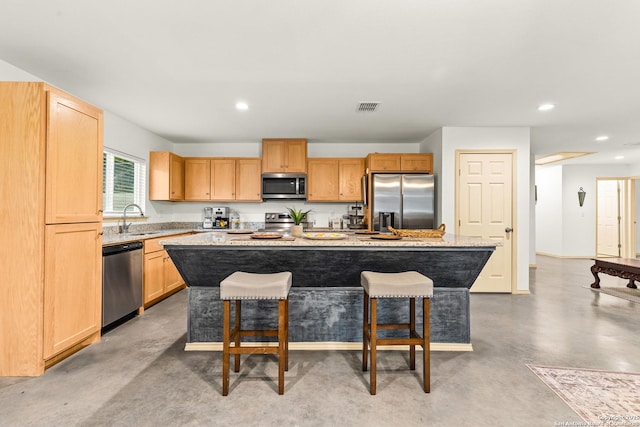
{"type": "Point", "coordinates": [598, 397]}
{"type": "Point", "coordinates": [620, 292]}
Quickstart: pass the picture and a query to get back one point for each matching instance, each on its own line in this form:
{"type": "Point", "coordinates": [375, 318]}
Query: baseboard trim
{"type": "Point", "coordinates": [564, 256]}
{"type": "Point", "coordinates": [315, 346]}
{"type": "Point", "coordinates": [533, 265]}
{"type": "Point", "coordinates": [522, 292]}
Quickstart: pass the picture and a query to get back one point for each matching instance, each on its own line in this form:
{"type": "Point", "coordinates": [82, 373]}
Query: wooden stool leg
{"type": "Point", "coordinates": [236, 364]}
{"type": "Point", "coordinates": [365, 331]}
{"type": "Point", "coordinates": [286, 338]}
{"type": "Point", "coordinates": [374, 342]}
{"type": "Point", "coordinates": [426, 347]}
{"type": "Point", "coordinates": [225, 347]}
{"type": "Point", "coordinates": [412, 327]}
{"type": "Point", "coordinates": [281, 345]}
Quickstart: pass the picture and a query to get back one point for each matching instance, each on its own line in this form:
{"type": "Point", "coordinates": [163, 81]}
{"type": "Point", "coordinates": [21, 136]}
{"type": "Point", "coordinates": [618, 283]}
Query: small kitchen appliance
{"type": "Point", "coordinates": [356, 217]}
{"type": "Point", "coordinates": [216, 218]}
{"type": "Point", "coordinates": [207, 222]}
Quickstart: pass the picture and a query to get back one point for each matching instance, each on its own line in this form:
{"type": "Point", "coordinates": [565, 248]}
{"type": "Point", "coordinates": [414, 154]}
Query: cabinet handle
{"type": "Point", "coordinates": [100, 211]}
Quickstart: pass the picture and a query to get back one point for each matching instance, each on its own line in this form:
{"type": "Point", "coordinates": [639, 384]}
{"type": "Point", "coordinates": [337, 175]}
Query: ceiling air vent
{"type": "Point", "coordinates": [367, 107]}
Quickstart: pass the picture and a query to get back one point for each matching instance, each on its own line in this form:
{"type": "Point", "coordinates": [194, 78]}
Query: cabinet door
{"type": "Point", "coordinates": [172, 278]}
{"type": "Point", "coordinates": [384, 162]}
{"type": "Point", "coordinates": [273, 154]}
{"type": "Point", "coordinates": [166, 176]}
{"type": "Point", "coordinates": [417, 162]}
{"type": "Point", "coordinates": [323, 180]}
{"type": "Point", "coordinates": [72, 285]}
{"type": "Point", "coordinates": [176, 177]}
{"type": "Point", "coordinates": [223, 179]}
{"type": "Point", "coordinates": [248, 180]}
{"type": "Point", "coordinates": [296, 156]}
{"type": "Point", "coordinates": [73, 161]}
{"type": "Point", "coordinates": [351, 172]}
{"type": "Point", "coordinates": [153, 275]}
{"type": "Point", "coordinates": [197, 179]}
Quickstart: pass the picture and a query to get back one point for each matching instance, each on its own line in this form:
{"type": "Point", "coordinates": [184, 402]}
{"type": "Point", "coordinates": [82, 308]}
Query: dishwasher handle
{"type": "Point", "coordinates": [123, 247]}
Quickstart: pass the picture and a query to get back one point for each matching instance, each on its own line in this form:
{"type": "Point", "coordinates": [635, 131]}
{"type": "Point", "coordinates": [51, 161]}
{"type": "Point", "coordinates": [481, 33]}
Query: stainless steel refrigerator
{"type": "Point", "coordinates": [402, 201]}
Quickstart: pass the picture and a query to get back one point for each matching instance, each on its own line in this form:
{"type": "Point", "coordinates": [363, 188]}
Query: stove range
{"type": "Point", "coordinates": [278, 222]}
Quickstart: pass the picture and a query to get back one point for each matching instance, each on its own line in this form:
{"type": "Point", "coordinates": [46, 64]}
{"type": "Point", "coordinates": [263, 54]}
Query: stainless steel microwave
{"type": "Point", "coordinates": [284, 186]}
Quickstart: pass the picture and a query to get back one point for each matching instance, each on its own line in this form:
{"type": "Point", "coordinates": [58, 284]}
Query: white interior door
{"type": "Point", "coordinates": [485, 209]}
{"type": "Point", "coordinates": [608, 218]}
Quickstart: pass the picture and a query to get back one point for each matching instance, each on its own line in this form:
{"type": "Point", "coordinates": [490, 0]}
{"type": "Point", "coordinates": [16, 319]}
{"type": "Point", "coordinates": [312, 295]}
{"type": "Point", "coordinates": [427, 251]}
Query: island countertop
{"type": "Point", "coordinates": [351, 240]}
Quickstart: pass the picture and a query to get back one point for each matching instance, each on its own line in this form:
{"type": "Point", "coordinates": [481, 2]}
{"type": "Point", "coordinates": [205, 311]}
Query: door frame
{"type": "Point", "coordinates": [627, 215]}
{"type": "Point", "coordinates": [514, 204]}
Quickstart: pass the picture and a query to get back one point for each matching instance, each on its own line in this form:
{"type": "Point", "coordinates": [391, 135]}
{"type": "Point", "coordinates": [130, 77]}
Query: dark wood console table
{"type": "Point", "coordinates": [626, 268]}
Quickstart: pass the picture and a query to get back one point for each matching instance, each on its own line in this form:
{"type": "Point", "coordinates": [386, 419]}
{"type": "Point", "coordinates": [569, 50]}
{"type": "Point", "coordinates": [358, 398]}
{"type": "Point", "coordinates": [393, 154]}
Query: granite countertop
{"type": "Point", "coordinates": [116, 239]}
{"type": "Point", "coordinates": [352, 239]}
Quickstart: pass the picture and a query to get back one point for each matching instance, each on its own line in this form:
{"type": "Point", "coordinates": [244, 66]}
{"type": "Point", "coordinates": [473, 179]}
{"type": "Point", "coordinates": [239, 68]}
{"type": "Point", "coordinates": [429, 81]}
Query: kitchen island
{"type": "Point", "coordinates": [326, 297]}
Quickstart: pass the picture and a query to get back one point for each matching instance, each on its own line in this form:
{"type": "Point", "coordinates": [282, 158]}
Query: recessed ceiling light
{"type": "Point", "coordinates": [602, 138]}
{"type": "Point", "coordinates": [619, 157]}
{"type": "Point", "coordinates": [242, 106]}
{"type": "Point", "coordinates": [546, 107]}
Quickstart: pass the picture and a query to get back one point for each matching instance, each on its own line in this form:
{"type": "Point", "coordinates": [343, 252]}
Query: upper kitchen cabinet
{"type": "Point", "coordinates": [392, 162]}
{"type": "Point", "coordinates": [74, 160]}
{"type": "Point", "coordinates": [166, 176]}
{"type": "Point", "coordinates": [422, 162]}
{"type": "Point", "coordinates": [284, 155]}
{"type": "Point", "coordinates": [248, 180]}
{"type": "Point", "coordinates": [50, 300]}
{"type": "Point", "coordinates": [222, 179]}
{"type": "Point", "coordinates": [335, 180]}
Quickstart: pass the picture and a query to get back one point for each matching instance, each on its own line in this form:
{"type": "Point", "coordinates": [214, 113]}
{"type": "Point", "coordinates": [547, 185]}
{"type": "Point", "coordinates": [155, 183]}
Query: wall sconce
{"type": "Point", "coordinates": [581, 194]}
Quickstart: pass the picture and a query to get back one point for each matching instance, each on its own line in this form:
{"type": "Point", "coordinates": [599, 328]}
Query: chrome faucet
{"type": "Point", "coordinates": [125, 226]}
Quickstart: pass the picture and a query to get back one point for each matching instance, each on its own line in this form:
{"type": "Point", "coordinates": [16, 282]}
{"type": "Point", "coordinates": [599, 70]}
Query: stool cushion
{"type": "Point", "coordinates": [240, 285]}
{"type": "Point", "coordinates": [409, 284]}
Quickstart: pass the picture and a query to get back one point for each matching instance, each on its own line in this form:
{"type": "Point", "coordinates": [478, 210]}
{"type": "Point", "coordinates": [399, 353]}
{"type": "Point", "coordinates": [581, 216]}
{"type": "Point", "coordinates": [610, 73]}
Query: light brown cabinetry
{"type": "Point", "coordinates": [161, 277]}
{"type": "Point", "coordinates": [248, 180]}
{"type": "Point", "coordinates": [51, 210]}
{"type": "Point", "coordinates": [284, 155]}
{"type": "Point", "coordinates": [416, 162]}
{"type": "Point", "coordinates": [224, 179]}
{"type": "Point", "coordinates": [392, 162]}
{"type": "Point", "coordinates": [166, 176]}
{"type": "Point", "coordinates": [335, 180]}
{"type": "Point", "coordinates": [72, 310]}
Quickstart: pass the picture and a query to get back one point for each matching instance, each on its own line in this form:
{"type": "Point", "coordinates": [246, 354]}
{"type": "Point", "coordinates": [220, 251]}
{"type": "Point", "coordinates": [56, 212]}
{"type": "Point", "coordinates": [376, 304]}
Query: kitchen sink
{"type": "Point", "coordinates": [150, 233]}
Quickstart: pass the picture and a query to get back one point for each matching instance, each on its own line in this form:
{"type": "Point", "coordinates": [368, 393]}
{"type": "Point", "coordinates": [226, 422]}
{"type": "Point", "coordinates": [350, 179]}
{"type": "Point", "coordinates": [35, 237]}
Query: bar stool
{"type": "Point", "coordinates": [409, 284]}
{"type": "Point", "coordinates": [242, 286]}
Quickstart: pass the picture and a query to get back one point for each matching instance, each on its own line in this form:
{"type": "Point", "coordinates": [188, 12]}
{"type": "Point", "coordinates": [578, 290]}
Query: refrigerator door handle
{"type": "Point", "coordinates": [364, 190]}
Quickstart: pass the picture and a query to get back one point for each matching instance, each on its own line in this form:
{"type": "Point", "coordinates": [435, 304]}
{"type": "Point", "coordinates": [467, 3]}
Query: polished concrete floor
{"type": "Point", "coordinates": [139, 374]}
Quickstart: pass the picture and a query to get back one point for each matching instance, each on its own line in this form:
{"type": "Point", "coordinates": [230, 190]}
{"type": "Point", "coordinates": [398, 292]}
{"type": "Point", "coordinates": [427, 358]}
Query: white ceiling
{"type": "Point", "coordinates": [177, 68]}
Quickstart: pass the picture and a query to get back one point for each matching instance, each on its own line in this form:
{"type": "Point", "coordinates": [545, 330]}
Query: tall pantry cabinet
{"type": "Point", "coordinates": [51, 151]}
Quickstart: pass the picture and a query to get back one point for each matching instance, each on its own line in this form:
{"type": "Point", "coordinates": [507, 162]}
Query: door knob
{"type": "Point", "coordinates": [508, 230]}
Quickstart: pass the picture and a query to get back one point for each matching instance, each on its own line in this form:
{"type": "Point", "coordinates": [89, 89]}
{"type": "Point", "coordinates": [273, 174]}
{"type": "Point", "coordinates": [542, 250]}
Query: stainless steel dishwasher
{"type": "Point", "coordinates": [121, 281]}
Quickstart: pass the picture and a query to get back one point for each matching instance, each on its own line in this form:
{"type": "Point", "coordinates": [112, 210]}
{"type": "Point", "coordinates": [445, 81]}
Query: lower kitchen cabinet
{"type": "Point", "coordinates": [161, 277]}
{"type": "Point", "coordinates": [72, 290]}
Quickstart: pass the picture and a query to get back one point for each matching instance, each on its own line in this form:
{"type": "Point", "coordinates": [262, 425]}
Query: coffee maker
{"type": "Point", "coordinates": [216, 218]}
{"type": "Point", "coordinates": [220, 217]}
{"type": "Point", "coordinates": [356, 217]}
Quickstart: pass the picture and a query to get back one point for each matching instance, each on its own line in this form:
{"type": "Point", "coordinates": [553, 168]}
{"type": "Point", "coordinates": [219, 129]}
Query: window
{"type": "Point", "coordinates": [123, 182]}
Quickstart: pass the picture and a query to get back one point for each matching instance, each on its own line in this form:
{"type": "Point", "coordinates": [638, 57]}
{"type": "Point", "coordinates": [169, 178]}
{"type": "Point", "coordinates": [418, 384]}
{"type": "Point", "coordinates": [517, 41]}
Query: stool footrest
{"type": "Point", "coordinates": [393, 326]}
{"type": "Point", "coordinates": [253, 350]}
{"type": "Point", "coordinates": [400, 341]}
{"type": "Point", "coordinates": [256, 333]}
